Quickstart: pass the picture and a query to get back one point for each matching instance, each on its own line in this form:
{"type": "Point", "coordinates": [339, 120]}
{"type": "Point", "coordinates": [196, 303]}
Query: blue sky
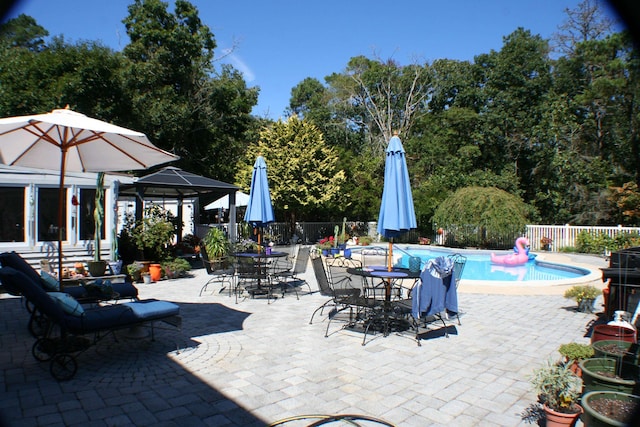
{"type": "Point", "coordinates": [279, 43]}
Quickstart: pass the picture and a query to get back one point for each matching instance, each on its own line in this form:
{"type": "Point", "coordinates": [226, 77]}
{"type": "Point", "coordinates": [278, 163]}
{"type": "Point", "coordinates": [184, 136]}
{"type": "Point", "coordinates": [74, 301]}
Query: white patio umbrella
{"type": "Point", "coordinates": [242, 199]}
{"type": "Point", "coordinates": [64, 140]}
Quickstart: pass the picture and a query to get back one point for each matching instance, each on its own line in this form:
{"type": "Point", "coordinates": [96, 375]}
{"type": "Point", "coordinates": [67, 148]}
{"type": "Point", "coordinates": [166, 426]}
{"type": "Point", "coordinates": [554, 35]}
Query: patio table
{"type": "Point", "coordinates": [387, 278]}
{"type": "Point", "coordinates": [258, 258]}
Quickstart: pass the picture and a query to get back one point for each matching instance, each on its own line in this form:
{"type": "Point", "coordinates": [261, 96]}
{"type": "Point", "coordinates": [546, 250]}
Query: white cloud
{"type": "Point", "coordinates": [240, 65]}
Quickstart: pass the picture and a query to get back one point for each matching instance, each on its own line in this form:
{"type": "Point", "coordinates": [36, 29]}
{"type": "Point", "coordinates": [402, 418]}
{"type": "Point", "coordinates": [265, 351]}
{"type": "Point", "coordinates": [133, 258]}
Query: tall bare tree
{"type": "Point", "coordinates": [584, 23]}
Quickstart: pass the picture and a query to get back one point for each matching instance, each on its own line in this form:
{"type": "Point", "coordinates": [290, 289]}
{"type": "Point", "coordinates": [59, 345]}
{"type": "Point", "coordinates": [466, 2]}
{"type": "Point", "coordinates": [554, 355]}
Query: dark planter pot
{"type": "Point", "coordinates": [593, 418]}
{"type": "Point", "coordinates": [598, 375]}
{"type": "Point", "coordinates": [586, 305]}
{"type": "Point", "coordinates": [335, 251]}
{"type": "Point", "coordinates": [626, 351]}
{"type": "Point", "coordinates": [325, 252]}
{"type": "Point", "coordinates": [97, 268]}
{"type": "Point", "coordinates": [612, 332]}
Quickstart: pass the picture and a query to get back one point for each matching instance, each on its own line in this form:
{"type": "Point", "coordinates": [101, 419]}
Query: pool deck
{"type": "Point", "coordinates": [252, 363]}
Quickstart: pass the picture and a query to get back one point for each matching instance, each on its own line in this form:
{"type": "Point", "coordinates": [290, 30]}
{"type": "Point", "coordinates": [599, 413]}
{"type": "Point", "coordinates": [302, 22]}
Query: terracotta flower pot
{"type": "Point", "coordinates": [155, 271]}
{"type": "Point", "coordinates": [560, 419]}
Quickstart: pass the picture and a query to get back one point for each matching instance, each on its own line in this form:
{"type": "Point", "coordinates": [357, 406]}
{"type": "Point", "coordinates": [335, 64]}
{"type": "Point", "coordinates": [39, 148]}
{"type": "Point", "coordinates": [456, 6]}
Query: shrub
{"type": "Point", "coordinates": [582, 292]}
{"type": "Point", "coordinates": [576, 351]}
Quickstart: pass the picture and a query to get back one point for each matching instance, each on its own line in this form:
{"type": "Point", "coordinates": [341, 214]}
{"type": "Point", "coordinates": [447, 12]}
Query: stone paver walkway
{"type": "Point", "coordinates": [253, 363]}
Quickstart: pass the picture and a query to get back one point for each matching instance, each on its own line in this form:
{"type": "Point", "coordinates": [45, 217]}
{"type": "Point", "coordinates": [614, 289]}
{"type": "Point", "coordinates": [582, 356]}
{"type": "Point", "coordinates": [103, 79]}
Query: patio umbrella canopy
{"type": "Point", "coordinates": [64, 140]}
{"type": "Point", "coordinates": [223, 202]}
{"type": "Point", "coordinates": [397, 214]}
{"type": "Point", "coordinates": [259, 209]}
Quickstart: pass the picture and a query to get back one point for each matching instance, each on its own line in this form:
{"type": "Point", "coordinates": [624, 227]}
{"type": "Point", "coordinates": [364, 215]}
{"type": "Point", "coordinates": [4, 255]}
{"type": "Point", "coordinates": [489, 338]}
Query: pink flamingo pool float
{"type": "Point", "coordinates": [519, 258]}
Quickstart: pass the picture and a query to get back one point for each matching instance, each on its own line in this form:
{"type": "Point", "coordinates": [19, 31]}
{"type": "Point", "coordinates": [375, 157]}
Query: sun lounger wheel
{"type": "Point", "coordinates": [38, 324]}
{"type": "Point", "coordinates": [63, 366]}
{"type": "Point", "coordinates": [43, 349]}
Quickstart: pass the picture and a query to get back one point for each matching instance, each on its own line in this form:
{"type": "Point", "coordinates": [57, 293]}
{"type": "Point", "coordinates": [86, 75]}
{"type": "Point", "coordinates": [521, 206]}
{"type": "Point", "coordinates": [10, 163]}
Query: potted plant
{"type": "Point", "coordinates": [97, 267]}
{"type": "Point", "coordinates": [175, 268]}
{"type": "Point", "coordinates": [365, 240]}
{"type": "Point", "coordinates": [134, 271]}
{"type": "Point", "coordinates": [601, 373]}
{"type": "Point", "coordinates": [584, 295]}
{"type": "Point", "coordinates": [153, 234]}
{"type": "Point", "coordinates": [216, 243]}
{"type": "Point", "coordinates": [623, 351]}
{"type": "Point", "coordinates": [325, 245]}
{"type": "Point", "coordinates": [573, 353]}
{"type": "Point", "coordinates": [558, 390]}
{"type": "Point", "coordinates": [609, 408]}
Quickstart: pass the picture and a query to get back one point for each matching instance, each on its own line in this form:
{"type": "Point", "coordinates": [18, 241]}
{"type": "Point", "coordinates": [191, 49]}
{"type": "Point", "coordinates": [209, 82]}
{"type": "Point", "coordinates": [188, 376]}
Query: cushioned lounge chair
{"type": "Point", "coordinates": [14, 260]}
{"type": "Point", "coordinates": [37, 322]}
{"type": "Point", "coordinates": [68, 321]}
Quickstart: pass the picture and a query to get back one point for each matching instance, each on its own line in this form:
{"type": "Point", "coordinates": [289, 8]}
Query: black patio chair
{"type": "Point", "coordinates": [291, 277]}
{"type": "Point", "coordinates": [251, 276]}
{"type": "Point", "coordinates": [220, 269]}
{"type": "Point", "coordinates": [348, 291]}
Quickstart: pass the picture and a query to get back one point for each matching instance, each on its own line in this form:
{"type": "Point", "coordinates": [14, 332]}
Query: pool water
{"type": "Point", "coordinates": [480, 267]}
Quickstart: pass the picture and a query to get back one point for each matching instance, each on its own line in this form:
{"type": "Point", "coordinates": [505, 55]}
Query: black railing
{"type": "Point", "coordinates": [311, 232]}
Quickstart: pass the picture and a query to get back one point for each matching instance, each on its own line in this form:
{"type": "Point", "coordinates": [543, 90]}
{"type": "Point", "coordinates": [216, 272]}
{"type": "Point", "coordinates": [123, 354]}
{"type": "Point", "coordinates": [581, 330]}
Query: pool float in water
{"type": "Point", "coordinates": [519, 258]}
{"type": "Point", "coordinates": [531, 256]}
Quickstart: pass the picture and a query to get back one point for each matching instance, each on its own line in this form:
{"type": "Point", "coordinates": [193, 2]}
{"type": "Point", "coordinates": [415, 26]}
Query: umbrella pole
{"type": "Point", "coordinates": [257, 232]}
{"type": "Point", "coordinates": [60, 216]}
{"type": "Point", "coordinates": [390, 257]}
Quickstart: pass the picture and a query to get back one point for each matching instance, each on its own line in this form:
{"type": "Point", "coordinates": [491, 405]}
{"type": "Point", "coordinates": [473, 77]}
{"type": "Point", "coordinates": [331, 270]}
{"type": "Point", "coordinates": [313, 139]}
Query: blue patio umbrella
{"type": "Point", "coordinates": [397, 214]}
{"type": "Point", "coordinates": [259, 209]}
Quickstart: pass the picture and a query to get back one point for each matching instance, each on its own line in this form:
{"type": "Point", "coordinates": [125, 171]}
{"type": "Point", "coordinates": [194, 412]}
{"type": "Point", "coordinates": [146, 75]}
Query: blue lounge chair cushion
{"type": "Point", "coordinates": [148, 309]}
{"type": "Point", "coordinates": [49, 281]}
{"type": "Point", "coordinates": [68, 303]}
{"type": "Point", "coordinates": [13, 260]}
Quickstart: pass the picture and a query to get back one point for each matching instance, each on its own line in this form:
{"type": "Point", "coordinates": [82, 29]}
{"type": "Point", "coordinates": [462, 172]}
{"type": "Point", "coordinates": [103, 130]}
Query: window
{"type": "Point", "coordinates": [48, 215]}
{"type": "Point", "coordinates": [12, 227]}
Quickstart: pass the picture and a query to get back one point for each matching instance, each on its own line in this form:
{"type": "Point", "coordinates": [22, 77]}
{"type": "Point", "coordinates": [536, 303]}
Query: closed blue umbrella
{"type": "Point", "coordinates": [259, 209]}
{"type": "Point", "coordinates": [397, 214]}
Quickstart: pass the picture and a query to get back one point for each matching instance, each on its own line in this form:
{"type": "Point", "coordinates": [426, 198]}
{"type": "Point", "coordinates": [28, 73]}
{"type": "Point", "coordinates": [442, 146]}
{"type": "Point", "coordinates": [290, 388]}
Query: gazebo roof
{"type": "Point", "coordinates": [174, 182]}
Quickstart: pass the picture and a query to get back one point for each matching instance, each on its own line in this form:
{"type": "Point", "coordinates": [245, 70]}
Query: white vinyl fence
{"type": "Point", "coordinates": [565, 235]}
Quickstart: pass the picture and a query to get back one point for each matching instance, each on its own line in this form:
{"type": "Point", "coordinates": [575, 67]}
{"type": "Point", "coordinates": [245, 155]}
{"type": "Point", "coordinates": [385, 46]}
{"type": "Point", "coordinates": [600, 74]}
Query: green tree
{"type": "Point", "coordinates": [302, 170]}
{"type": "Point", "coordinates": [175, 99]}
{"type": "Point", "coordinates": [481, 216]}
{"type": "Point", "coordinates": [23, 32]}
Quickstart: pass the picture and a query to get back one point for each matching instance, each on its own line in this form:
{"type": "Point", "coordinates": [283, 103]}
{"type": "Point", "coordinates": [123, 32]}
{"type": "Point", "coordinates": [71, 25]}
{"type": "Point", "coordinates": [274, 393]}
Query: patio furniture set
{"type": "Point", "coordinates": [258, 274]}
{"type": "Point", "coordinates": [372, 298]}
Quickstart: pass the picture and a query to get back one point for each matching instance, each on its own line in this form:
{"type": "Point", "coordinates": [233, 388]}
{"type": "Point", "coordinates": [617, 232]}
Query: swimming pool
{"type": "Point", "coordinates": [480, 268]}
